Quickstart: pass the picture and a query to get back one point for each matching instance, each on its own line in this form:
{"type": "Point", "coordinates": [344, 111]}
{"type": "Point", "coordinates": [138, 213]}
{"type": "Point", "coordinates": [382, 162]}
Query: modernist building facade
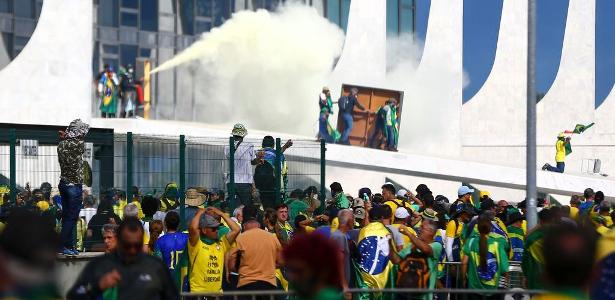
{"type": "Point", "coordinates": [127, 31]}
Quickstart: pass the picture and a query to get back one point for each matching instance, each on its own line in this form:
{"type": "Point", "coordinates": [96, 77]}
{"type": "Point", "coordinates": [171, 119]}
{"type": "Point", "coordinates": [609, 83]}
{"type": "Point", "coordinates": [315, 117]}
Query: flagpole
{"type": "Point", "coordinates": [530, 187]}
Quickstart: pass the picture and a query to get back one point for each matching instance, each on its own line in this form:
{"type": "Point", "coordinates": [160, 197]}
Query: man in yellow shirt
{"type": "Point", "coordinates": [560, 154]}
{"type": "Point", "coordinates": [206, 252]}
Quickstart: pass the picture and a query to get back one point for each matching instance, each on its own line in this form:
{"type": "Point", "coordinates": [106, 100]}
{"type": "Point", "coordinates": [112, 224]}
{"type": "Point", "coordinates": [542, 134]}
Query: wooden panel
{"type": "Point", "coordinates": [364, 122]}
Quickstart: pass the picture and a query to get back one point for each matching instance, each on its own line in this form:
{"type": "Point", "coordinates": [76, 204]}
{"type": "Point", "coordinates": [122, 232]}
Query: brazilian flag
{"type": "Point", "coordinates": [580, 128]}
{"type": "Point", "coordinates": [373, 267]}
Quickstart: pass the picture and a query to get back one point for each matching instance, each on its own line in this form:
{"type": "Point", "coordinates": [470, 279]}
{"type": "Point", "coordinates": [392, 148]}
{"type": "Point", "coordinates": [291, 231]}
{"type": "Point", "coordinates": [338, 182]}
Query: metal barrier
{"type": "Point", "coordinates": [28, 158]}
{"type": "Point", "coordinates": [394, 293]}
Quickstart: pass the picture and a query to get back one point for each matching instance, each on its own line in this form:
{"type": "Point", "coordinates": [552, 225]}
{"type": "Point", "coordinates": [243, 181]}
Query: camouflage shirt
{"type": "Point", "coordinates": [70, 157]}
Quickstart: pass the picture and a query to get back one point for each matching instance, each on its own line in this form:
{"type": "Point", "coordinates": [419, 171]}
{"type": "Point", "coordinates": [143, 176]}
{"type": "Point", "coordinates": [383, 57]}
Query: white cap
{"type": "Point", "coordinates": [401, 213]}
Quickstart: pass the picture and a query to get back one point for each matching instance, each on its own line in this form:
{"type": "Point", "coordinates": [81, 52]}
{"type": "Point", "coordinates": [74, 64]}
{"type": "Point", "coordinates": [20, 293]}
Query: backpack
{"type": "Point", "coordinates": [343, 102]}
{"type": "Point", "coordinates": [413, 271]}
{"type": "Point", "coordinates": [264, 177]}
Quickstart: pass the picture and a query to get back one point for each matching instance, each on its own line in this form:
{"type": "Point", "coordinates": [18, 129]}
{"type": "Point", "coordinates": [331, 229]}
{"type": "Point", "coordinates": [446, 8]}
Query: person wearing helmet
{"type": "Point", "coordinates": [244, 159]}
{"type": "Point", "coordinates": [128, 92]}
{"type": "Point", "coordinates": [562, 148]}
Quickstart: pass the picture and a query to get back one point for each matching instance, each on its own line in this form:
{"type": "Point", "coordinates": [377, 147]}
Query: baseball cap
{"type": "Point", "coordinates": [401, 213]}
{"type": "Point", "coordinates": [402, 193]}
{"type": "Point", "coordinates": [463, 190]}
{"type": "Point", "coordinates": [208, 221]}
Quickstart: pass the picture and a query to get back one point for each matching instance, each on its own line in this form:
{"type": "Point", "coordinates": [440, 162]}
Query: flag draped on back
{"type": "Point", "coordinates": [373, 263]}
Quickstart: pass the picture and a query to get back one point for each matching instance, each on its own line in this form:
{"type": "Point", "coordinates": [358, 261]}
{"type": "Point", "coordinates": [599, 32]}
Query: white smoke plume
{"type": "Point", "coordinates": [264, 68]}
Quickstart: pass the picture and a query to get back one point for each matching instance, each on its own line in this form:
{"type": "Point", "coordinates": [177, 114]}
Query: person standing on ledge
{"type": "Point", "coordinates": [70, 158]}
{"type": "Point", "coordinates": [562, 148]}
{"type": "Point", "coordinates": [346, 105]}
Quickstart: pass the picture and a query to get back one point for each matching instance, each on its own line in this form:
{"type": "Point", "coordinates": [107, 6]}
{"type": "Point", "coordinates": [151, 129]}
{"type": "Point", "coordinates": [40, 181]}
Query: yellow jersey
{"type": "Point", "coordinates": [207, 262]}
{"type": "Point", "coordinates": [560, 151]}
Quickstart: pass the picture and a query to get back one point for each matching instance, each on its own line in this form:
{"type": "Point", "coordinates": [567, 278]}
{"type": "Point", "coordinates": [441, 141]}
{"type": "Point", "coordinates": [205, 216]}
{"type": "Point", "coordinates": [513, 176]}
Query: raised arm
{"type": "Point", "coordinates": [194, 233]}
{"type": "Point", "coordinates": [418, 243]}
{"type": "Point", "coordinates": [232, 235]}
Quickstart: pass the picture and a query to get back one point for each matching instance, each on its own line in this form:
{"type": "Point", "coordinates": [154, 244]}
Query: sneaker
{"type": "Point", "coordinates": [74, 251]}
{"type": "Point", "coordinates": [545, 167]}
{"type": "Point", "coordinates": [66, 252]}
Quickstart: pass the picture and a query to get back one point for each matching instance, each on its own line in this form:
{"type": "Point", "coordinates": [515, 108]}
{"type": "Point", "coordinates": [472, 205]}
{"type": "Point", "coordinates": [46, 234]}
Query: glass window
{"type": "Point", "coordinates": [333, 11]}
{"type": "Point", "coordinates": [204, 8]}
{"type": "Point", "coordinates": [128, 54]}
{"type": "Point", "coordinates": [392, 17]}
{"type": "Point", "coordinates": [145, 52]}
{"type": "Point", "coordinates": [129, 19]}
{"type": "Point", "coordinates": [21, 41]}
{"type": "Point", "coordinates": [345, 10]}
{"type": "Point", "coordinates": [112, 62]}
{"type": "Point", "coordinates": [110, 49]}
{"type": "Point", "coordinates": [406, 16]}
{"type": "Point", "coordinates": [149, 15]}
{"type": "Point", "coordinates": [39, 8]}
{"type": "Point", "coordinates": [131, 3]}
{"type": "Point", "coordinates": [7, 41]}
{"type": "Point", "coordinates": [222, 12]}
{"type": "Point", "coordinates": [24, 8]}
{"type": "Point", "coordinates": [186, 16]}
{"type": "Point", "coordinates": [6, 6]}
{"type": "Point", "coordinates": [108, 13]}
{"type": "Point", "coordinates": [202, 26]}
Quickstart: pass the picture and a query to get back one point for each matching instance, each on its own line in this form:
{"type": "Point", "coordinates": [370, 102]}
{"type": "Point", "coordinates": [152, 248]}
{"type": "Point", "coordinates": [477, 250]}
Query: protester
{"type": "Point", "coordinates": [207, 250]}
{"type": "Point", "coordinates": [533, 254]}
{"type": "Point", "coordinates": [390, 124]}
{"type": "Point", "coordinates": [454, 231]}
{"type": "Point", "coordinates": [113, 275]}
{"type": "Point", "coordinates": [170, 198]}
{"type": "Point", "coordinates": [257, 254]}
{"type": "Point", "coordinates": [27, 257]}
{"type": "Point", "coordinates": [156, 229]}
{"type": "Point", "coordinates": [390, 198]}
{"type": "Point", "coordinates": [244, 159]}
{"type": "Point", "coordinates": [312, 270]}
{"type": "Point", "coordinates": [283, 224]}
{"type": "Point", "coordinates": [569, 255]}
{"type": "Point", "coordinates": [128, 92]}
{"type": "Point", "coordinates": [340, 238]}
{"type": "Point", "coordinates": [346, 108]}
{"type": "Point", "coordinates": [561, 150]}
{"type": "Point", "coordinates": [325, 130]}
{"type": "Point", "coordinates": [104, 215]}
{"type": "Point", "coordinates": [422, 249]}
{"type": "Point", "coordinates": [108, 90]}
{"type": "Point", "coordinates": [238, 215]}
{"type": "Point", "coordinates": [70, 157]}
{"type": "Point", "coordinates": [109, 233]}
{"type": "Point", "coordinates": [193, 202]}
{"type": "Point", "coordinates": [517, 234]}
{"type": "Point", "coordinates": [375, 140]}
{"type": "Point", "coordinates": [485, 260]}
{"type": "Point", "coordinates": [464, 194]}
{"type": "Point", "coordinates": [88, 210]}
{"type": "Point", "coordinates": [264, 174]}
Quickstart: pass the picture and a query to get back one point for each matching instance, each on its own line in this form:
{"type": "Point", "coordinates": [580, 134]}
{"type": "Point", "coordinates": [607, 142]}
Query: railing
{"type": "Point", "coordinates": [440, 294]}
{"type": "Point", "coordinates": [28, 158]}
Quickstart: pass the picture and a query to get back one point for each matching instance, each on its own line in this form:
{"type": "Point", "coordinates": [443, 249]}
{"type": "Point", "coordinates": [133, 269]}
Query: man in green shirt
{"type": "Point", "coordinates": [423, 243]}
{"type": "Point", "coordinates": [296, 205]}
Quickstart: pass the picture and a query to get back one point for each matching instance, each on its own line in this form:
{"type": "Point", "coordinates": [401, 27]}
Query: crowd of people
{"type": "Point", "coordinates": [320, 249]}
{"type": "Point", "coordinates": [122, 85]}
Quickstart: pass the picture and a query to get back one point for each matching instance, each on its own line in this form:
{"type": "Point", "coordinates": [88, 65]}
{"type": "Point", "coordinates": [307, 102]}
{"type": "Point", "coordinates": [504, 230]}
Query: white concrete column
{"type": "Point", "coordinates": [363, 59]}
{"type": "Point", "coordinates": [497, 112]}
{"type": "Point", "coordinates": [439, 82]}
{"type": "Point", "coordinates": [50, 81]}
{"type": "Point", "coordinates": [571, 98]}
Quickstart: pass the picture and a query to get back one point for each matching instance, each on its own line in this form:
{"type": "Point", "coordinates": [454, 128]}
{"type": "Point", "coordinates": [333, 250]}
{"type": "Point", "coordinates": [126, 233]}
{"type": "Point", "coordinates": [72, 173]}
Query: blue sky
{"type": "Point", "coordinates": [481, 26]}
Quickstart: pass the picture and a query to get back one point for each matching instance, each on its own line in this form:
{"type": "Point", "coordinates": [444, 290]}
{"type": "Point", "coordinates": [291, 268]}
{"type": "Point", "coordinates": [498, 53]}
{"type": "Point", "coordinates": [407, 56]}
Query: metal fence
{"type": "Point", "coordinates": [28, 158]}
{"type": "Point", "coordinates": [372, 294]}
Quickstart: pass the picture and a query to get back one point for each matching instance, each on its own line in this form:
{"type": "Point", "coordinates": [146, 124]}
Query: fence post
{"type": "Point", "coordinates": [129, 183]}
{"type": "Point", "coordinates": [323, 194]}
{"type": "Point", "coordinates": [182, 180]}
{"type": "Point", "coordinates": [12, 165]}
{"type": "Point", "coordinates": [231, 171]}
{"type": "Point", "coordinates": [278, 170]}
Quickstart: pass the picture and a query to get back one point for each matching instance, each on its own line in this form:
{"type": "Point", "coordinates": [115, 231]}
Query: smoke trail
{"type": "Point", "coordinates": [264, 68]}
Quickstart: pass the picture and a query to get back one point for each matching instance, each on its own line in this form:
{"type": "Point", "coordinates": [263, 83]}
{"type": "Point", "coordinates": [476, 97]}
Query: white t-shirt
{"type": "Point", "coordinates": [243, 162]}
{"type": "Point", "coordinates": [87, 213]}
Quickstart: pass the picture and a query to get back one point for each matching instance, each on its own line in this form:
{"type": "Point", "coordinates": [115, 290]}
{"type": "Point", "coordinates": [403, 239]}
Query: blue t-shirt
{"type": "Point", "coordinates": [170, 247]}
